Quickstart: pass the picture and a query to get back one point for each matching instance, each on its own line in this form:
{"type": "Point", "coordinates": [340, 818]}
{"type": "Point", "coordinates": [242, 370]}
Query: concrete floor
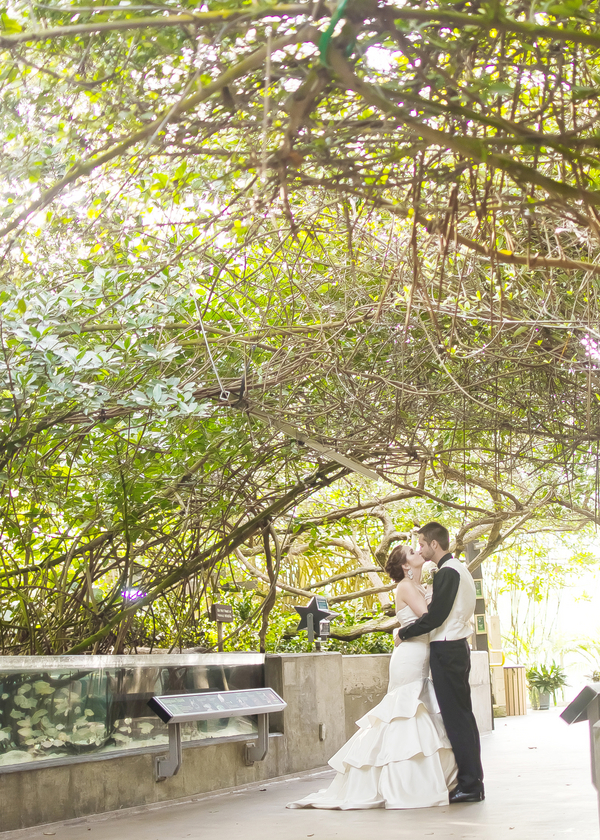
{"type": "Point", "coordinates": [537, 786]}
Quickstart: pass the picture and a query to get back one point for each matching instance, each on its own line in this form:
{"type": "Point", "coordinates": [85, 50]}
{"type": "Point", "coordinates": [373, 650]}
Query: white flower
{"type": "Point", "coordinates": [427, 572]}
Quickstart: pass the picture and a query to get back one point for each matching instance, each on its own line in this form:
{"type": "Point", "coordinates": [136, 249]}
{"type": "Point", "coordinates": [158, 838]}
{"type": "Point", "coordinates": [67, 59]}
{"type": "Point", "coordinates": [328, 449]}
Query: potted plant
{"type": "Point", "coordinates": [595, 675]}
{"type": "Point", "coordinates": [543, 681]}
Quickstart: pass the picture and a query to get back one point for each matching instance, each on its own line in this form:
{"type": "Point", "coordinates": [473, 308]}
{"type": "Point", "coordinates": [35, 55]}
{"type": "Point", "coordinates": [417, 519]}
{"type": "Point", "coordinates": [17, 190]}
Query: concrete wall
{"type": "Point", "coordinates": [313, 723]}
{"type": "Point", "coordinates": [365, 683]}
{"type": "Point", "coordinates": [325, 692]}
{"type": "Point", "coordinates": [366, 680]}
{"type": "Point", "coordinates": [51, 794]}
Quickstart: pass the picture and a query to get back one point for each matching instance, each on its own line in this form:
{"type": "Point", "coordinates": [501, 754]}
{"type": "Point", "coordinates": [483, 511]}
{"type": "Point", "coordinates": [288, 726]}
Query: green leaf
{"type": "Point", "coordinates": [9, 24]}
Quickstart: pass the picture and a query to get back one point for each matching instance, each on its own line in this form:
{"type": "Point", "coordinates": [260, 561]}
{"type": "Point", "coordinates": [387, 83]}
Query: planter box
{"type": "Point", "coordinates": [544, 701]}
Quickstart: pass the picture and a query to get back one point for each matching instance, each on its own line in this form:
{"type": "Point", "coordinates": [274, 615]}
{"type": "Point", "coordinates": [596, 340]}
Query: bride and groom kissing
{"type": "Point", "coordinates": [419, 747]}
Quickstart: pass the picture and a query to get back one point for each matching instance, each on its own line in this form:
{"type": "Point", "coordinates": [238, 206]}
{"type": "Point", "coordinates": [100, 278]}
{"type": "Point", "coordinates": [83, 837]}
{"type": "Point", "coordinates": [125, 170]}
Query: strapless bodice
{"type": "Point", "coordinates": [406, 616]}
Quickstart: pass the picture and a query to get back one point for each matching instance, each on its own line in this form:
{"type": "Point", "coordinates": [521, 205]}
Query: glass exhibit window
{"type": "Point", "coordinates": [61, 707]}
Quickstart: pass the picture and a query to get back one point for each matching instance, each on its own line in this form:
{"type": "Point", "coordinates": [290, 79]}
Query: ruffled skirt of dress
{"type": "Point", "coordinates": [399, 758]}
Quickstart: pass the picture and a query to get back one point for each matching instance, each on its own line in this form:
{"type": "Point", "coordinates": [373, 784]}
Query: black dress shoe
{"type": "Point", "coordinates": [457, 795]}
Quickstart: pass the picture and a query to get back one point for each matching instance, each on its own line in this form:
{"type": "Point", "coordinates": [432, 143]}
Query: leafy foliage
{"type": "Point", "coordinates": [232, 230]}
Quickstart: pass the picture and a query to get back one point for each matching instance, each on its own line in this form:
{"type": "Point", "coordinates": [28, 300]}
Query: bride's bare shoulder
{"type": "Point", "coordinates": [403, 589]}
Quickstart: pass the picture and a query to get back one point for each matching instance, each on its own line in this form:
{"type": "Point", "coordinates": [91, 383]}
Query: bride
{"type": "Point", "coordinates": [401, 756]}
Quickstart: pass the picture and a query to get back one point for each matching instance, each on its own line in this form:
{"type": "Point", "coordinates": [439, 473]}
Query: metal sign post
{"type": "Point", "coordinates": [480, 637]}
{"type": "Point", "coordinates": [168, 765]}
{"type": "Point", "coordinates": [310, 628]}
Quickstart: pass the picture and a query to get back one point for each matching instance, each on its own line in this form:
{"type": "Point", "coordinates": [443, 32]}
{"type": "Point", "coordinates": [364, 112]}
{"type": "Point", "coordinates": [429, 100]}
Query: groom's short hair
{"type": "Point", "coordinates": [435, 531]}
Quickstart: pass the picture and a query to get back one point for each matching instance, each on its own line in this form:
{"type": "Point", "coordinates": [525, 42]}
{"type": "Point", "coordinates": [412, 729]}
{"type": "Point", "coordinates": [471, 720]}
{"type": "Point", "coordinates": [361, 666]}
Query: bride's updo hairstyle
{"type": "Point", "coordinates": [395, 562]}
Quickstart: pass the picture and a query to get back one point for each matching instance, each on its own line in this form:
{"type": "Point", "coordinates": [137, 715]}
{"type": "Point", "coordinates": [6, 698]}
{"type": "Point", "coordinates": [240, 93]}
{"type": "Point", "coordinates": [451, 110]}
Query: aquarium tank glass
{"type": "Point", "coordinates": [60, 707]}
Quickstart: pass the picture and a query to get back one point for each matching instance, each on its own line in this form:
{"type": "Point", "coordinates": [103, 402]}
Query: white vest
{"type": "Point", "coordinates": [458, 625]}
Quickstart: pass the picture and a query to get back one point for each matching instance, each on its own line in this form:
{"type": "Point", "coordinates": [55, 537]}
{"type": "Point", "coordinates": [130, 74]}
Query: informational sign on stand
{"type": "Point", "coordinates": [175, 709]}
{"type": "Point", "coordinates": [315, 619]}
{"type": "Point", "coordinates": [182, 708]}
{"type": "Point", "coordinates": [586, 706]}
{"type": "Point", "coordinates": [222, 614]}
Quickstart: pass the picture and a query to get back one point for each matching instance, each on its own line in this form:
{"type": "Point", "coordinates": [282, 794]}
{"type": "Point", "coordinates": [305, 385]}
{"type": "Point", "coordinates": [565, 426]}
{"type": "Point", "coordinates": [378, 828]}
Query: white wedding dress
{"type": "Point", "coordinates": [401, 756]}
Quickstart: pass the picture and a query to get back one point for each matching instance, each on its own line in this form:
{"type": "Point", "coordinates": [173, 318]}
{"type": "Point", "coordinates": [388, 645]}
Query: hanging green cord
{"type": "Point", "coordinates": [326, 36]}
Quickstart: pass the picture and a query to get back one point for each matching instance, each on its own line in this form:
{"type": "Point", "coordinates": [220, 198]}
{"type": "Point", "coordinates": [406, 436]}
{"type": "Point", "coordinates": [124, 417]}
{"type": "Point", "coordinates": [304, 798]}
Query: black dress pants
{"type": "Point", "coordinates": [450, 663]}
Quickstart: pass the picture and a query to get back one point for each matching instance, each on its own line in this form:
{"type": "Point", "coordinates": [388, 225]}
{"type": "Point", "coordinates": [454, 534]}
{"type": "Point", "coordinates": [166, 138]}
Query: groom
{"type": "Point", "coordinates": [448, 622]}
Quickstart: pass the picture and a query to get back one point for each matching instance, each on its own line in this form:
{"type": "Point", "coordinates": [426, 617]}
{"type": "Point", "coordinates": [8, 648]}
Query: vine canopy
{"type": "Point", "coordinates": [250, 248]}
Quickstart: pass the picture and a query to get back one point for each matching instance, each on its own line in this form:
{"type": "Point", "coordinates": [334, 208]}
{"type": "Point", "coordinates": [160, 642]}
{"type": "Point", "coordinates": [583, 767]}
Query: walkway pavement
{"type": "Point", "coordinates": [538, 786]}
